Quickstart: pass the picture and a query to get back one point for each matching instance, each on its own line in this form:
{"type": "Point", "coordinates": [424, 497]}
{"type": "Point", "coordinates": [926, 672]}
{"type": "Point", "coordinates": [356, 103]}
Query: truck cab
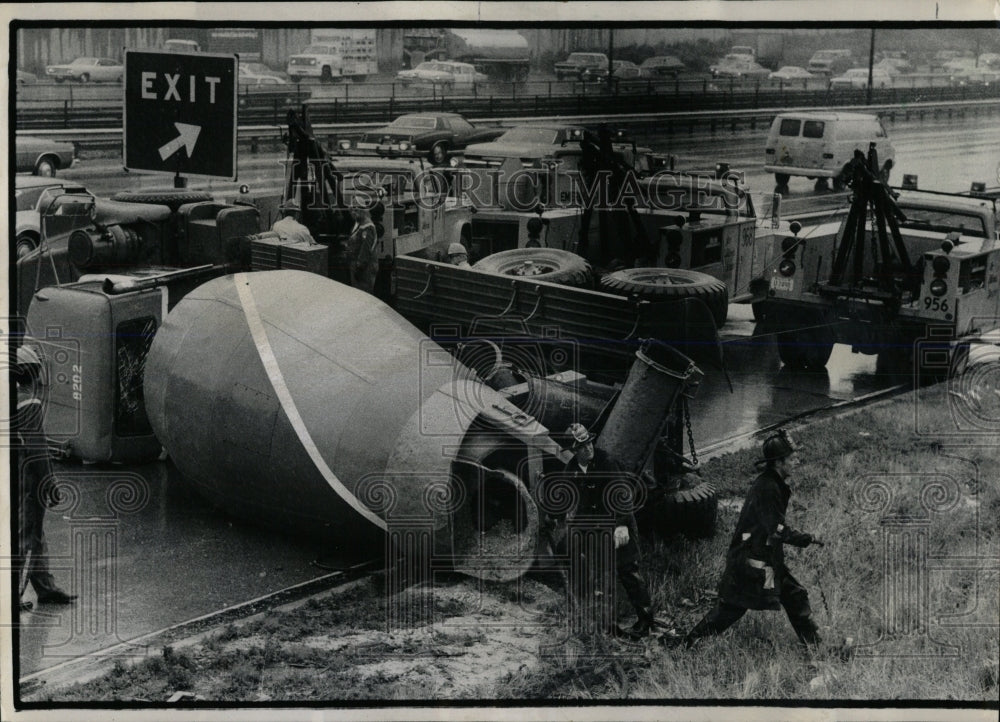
{"type": "Point", "coordinates": [322, 62]}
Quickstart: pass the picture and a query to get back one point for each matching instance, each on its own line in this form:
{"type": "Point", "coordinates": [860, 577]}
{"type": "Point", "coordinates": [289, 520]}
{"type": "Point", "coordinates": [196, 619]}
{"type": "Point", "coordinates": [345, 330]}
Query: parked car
{"type": "Point", "coordinates": [738, 66]}
{"type": "Point", "coordinates": [261, 69]}
{"type": "Point", "coordinates": [464, 75]}
{"type": "Point", "coordinates": [858, 78]}
{"type": "Point", "coordinates": [830, 62]}
{"type": "Point", "coordinates": [42, 156]}
{"type": "Point", "coordinates": [791, 72]}
{"type": "Point", "coordinates": [660, 65]}
{"type": "Point", "coordinates": [26, 78]}
{"type": "Point", "coordinates": [253, 78]}
{"type": "Point", "coordinates": [435, 72]}
{"type": "Point", "coordinates": [973, 76]}
{"type": "Point", "coordinates": [957, 65]}
{"type": "Point", "coordinates": [180, 45]}
{"type": "Point", "coordinates": [578, 63]}
{"type": "Point", "coordinates": [618, 66]}
{"type": "Point", "coordinates": [85, 70]}
{"type": "Point", "coordinates": [31, 195]}
{"type": "Point", "coordinates": [438, 133]}
{"type": "Point", "coordinates": [893, 66]}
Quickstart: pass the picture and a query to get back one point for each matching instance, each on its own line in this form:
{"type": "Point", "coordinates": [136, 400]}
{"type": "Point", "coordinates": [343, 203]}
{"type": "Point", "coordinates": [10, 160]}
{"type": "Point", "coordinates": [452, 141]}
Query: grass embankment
{"type": "Point", "coordinates": [891, 505]}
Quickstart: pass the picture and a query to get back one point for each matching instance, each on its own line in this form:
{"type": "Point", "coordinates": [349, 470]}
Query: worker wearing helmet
{"type": "Point", "coordinates": [458, 255]}
{"type": "Point", "coordinates": [592, 470]}
{"type": "Point", "coordinates": [756, 576]}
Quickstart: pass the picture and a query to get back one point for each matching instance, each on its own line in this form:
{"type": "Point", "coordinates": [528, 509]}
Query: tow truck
{"type": "Point", "coordinates": [907, 272]}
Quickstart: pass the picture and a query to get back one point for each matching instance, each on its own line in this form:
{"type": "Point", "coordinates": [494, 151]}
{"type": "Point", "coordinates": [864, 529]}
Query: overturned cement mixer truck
{"type": "Point", "coordinates": [303, 404]}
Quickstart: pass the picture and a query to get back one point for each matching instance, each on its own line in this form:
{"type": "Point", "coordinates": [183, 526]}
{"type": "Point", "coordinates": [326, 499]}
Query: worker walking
{"type": "Point", "coordinates": [756, 576]}
{"type": "Point", "coordinates": [592, 471]}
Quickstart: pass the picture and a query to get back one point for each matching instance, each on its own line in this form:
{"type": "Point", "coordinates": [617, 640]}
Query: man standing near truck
{"type": "Point", "coordinates": [594, 473]}
{"type": "Point", "coordinates": [756, 576]}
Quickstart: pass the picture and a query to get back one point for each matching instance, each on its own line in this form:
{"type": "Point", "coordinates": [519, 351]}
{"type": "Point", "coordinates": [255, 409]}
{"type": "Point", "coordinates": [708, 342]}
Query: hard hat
{"type": "Point", "coordinates": [779, 446]}
{"type": "Point", "coordinates": [579, 434]}
{"type": "Point", "coordinates": [456, 248]}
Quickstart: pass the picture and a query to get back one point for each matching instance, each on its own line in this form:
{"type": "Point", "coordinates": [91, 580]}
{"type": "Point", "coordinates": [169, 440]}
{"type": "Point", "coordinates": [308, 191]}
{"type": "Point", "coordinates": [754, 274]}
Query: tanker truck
{"type": "Point", "coordinates": [503, 55]}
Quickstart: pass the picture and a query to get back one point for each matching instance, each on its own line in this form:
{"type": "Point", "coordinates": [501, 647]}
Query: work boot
{"type": "Point", "coordinates": [642, 625]}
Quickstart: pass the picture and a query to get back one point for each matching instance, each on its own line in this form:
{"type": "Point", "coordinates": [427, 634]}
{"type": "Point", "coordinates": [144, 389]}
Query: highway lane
{"type": "Point", "coordinates": [175, 558]}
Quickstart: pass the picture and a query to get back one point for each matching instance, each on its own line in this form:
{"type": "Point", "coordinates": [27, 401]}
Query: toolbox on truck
{"type": "Point", "coordinates": [94, 347]}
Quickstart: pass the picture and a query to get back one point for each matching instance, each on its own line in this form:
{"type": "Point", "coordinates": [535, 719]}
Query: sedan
{"type": "Point", "coordinates": [85, 70]}
{"type": "Point", "coordinates": [660, 65]}
{"type": "Point", "coordinates": [739, 66]}
{"type": "Point", "coordinates": [791, 72]}
{"type": "Point", "coordinates": [431, 71]}
{"type": "Point", "coordinates": [858, 78]}
{"type": "Point", "coordinates": [26, 78]}
{"type": "Point", "coordinates": [620, 69]}
{"type": "Point", "coordinates": [438, 133]}
{"type": "Point", "coordinates": [42, 156]}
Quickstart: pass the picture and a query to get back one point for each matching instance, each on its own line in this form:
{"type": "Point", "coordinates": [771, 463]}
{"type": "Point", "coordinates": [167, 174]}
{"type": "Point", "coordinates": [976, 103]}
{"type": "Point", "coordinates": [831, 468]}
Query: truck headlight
{"type": "Point", "coordinates": [939, 287]}
{"type": "Point", "coordinates": [404, 145]}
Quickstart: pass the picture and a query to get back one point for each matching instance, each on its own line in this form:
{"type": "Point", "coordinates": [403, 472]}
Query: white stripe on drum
{"type": "Point", "coordinates": [277, 379]}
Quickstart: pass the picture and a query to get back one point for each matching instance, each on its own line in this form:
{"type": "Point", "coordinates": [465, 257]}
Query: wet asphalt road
{"type": "Point", "coordinates": [167, 557]}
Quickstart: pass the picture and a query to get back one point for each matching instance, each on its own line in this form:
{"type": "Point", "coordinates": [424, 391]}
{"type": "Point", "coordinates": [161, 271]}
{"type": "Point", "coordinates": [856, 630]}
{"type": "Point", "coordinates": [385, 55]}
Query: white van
{"type": "Point", "coordinates": [819, 145]}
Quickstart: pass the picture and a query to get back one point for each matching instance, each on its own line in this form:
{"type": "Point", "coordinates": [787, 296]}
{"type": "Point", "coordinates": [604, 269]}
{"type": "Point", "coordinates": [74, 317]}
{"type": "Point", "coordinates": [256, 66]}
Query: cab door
{"type": "Point", "coordinates": [815, 145]}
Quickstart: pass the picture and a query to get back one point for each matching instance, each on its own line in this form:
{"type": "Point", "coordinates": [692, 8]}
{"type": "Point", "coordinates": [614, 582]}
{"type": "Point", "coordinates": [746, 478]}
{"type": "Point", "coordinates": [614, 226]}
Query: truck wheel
{"type": "Point", "coordinates": [295, 78]}
{"type": "Point", "coordinates": [172, 199]}
{"type": "Point", "coordinates": [691, 510]}
{"type": "Point", "coordinates": [807, 348]}
{"type": "Point", "coordinates": [544, 264]}
{"type": "Point", "coordinates": [659, 284]}
{"type": "Point", "coordinates": [84, 78]}
{"type": "Point", "coordinates": [326, 75]}
{"type": "Point", "coordinates": [781, 179]}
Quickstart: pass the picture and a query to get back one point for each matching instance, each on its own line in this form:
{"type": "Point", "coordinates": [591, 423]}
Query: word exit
{"type": "Point", "coordinates": [153, 84]}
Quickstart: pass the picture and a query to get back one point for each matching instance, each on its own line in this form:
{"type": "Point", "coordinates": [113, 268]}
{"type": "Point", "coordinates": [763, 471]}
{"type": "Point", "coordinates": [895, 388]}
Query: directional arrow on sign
{"type": "Point", "coordinates": [187, 138]}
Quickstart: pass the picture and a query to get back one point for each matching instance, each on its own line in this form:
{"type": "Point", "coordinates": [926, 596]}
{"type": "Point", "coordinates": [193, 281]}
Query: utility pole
{"type": "Point", "coordinates": [871, 64]}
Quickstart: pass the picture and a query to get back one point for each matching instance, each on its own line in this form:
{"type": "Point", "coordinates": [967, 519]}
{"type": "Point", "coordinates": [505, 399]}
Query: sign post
{"type": "Point", "coordinates": [180, 114]}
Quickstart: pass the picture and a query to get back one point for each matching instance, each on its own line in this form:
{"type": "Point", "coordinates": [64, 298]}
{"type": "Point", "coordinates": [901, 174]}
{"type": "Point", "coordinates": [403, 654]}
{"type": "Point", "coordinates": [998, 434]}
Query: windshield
{"type": "Point", "coordinates": [527, 134]}
{"type": "Point", "coordinates": [943, 221]}
{"type": "Point", "coordinates": [584, 56]}
{"type": "Point", "coordinates": [84, 61]}
{"type": "Point", "coordinates": [427, 122]}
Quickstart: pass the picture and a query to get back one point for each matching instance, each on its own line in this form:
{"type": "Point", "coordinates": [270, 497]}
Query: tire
{"type": "Point", "coordinates": [691, 510]}
{"type": "Point", "coordinates": [554, 265]}
{"type": "Point", "coordinates": [295, 78]}
{"type": "Point", "coordinates": [84, 78]}
{"type": "Point", "coordinates": [46, 166]}
{"type": "Point", "coordinates": [781, 179]}
{"type": "Point", "coordinates": [60, 80]}
{"type": "Point", "coordinates": [808, 348]}
{"type": "Point", "coordinates": [26, 243]}
{"type": "Point", "coordinates": [658, 284]}
{"type": "Point", "coordinates": [326, 75]}
{"type": "Point", "coordinates": [172, 199]}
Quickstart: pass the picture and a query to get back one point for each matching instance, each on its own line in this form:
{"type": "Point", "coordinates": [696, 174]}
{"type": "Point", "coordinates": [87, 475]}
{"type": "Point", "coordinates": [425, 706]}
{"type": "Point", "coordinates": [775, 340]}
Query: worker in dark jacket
{"type": "Point", "coordinates": [592, 470]}
{"type": "Point", "coordinates": [33, 468]}
{"type": "Point", "coordinates": [756, 576]}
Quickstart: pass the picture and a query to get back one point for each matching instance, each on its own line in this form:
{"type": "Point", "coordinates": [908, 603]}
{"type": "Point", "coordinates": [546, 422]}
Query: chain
{"type": "Point", "coordinates": [687, 424]}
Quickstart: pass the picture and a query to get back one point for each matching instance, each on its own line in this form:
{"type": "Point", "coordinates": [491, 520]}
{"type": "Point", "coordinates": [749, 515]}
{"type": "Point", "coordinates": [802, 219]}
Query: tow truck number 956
{"type": "Point", "coordinates": [932, 303]}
